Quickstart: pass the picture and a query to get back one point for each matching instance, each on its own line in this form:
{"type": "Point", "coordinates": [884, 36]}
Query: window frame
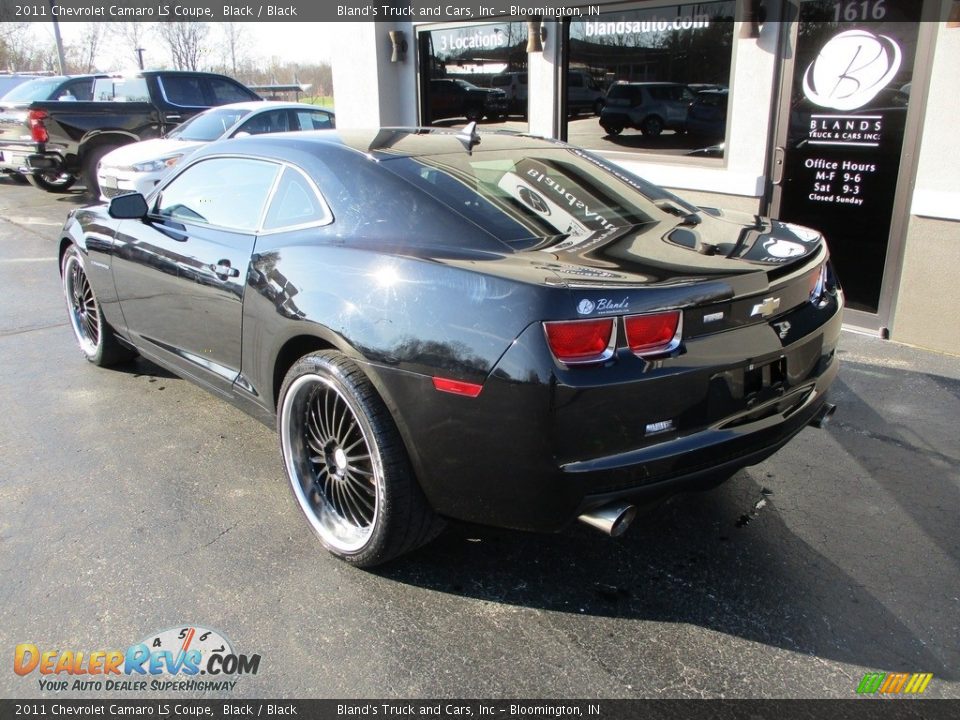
{"type": "Point", "coordinates": [626, 155]}
{"type": "Point", "coordinates": [325, 219]}
{"type": "Point", "coordinates": [328, 218]}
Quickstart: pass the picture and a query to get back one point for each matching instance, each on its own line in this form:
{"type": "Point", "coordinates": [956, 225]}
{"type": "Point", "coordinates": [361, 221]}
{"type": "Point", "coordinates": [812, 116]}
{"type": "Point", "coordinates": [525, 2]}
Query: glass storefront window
{"type": "Point", "coordinates": [474, 72]}
{"type": "Point", "coordinates": [651, 80]}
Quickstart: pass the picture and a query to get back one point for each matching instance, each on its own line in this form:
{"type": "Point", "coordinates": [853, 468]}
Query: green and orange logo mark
{"type": "Point", "coordinates": [894, 683]}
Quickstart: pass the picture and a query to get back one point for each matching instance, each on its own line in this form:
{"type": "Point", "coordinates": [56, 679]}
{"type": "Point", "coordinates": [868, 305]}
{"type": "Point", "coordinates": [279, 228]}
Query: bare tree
{"type": "Point", "coordinates": [234, 45]}
{"type": "Point", "coordinates": [186, 42]}
{"type": "Point", "coordinates": [82, 56]}
{"type": "Point", "coordinates": [133, 36]}
{"type": "Point", "coordinates": [18, 49]}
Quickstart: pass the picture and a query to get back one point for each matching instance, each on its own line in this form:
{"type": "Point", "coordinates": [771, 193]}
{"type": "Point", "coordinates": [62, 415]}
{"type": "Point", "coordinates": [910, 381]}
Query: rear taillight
{"type": "Point", "coordinates": [576, 342]}
{"type": "Point", "coordinates": [38, 132]}
{"type": "Point", "coordinates": [653, 333]}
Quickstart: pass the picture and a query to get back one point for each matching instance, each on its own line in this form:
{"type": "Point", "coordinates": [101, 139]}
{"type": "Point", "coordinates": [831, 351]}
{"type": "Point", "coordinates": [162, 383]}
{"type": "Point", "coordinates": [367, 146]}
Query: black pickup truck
{"type": "Point", "coordinates": [54, 143]}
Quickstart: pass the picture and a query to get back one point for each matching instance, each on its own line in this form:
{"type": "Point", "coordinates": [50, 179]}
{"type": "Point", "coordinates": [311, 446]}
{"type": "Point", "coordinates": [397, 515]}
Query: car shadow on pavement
{"type": "Point", "coordinates": [726, 560]}
{"type": "Point", "coordinates": [141, 367]}
{"type": "Point", "coordinates": [916, 471]}
{"type": "Point", "coordinates": [78, 197]}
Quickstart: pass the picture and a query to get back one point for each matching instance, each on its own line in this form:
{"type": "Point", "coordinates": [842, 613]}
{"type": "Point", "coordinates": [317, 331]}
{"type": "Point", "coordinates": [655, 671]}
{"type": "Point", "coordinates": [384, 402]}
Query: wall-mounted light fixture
{"type": "Point", "coordinates": [754, 15]}
{"type": "Point", "coordinates": [399, 43]}
{"type": "Point", "coordinates": [953, 20]}
{"type": "Point", "coordinates": [536, 36]}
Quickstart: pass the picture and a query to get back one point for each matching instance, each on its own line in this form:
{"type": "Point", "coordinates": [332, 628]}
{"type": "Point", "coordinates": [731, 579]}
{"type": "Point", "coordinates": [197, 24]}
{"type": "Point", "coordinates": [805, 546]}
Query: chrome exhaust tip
{"type": "Point", "coordinates": [823, 415]}
{"type": "Point", "coordinates": [612, 519]}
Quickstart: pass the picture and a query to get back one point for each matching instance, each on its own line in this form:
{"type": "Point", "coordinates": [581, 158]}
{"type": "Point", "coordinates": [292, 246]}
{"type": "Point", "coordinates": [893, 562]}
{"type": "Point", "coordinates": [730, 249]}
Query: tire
{"type": "Point", "coordinates": [652, 126]}
{"type": "Point", "coordinates": [51, 181]}
{"type": "Point", "coordinates": [347, 465]}
{"type": "Point", "coordinates": [91, 161]}
{"type": "Point", "coordinates": [96, 338]}
{"type": "Point", "coordinates": [18, 178]}
{"type": "Point", "coordinates": [474, 114]}
{"type": "Point", "coordinates": [613, 129]}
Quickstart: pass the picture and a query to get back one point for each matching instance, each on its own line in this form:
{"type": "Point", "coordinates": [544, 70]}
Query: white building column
{"type": "Point", "coordinates": [369, 90]}
{"type": "Point", "coordinates": [542, 90]}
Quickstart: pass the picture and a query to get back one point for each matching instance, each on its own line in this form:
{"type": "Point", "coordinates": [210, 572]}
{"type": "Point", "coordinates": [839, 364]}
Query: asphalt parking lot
{"type": "Point", "coordinates": [132, 502]}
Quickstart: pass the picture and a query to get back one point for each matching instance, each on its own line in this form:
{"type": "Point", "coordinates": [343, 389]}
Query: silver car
{"type": "Point", "coordinates": [139, 166]}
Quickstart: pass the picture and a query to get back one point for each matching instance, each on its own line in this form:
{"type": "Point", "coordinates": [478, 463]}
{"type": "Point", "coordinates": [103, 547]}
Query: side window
{"type": "Point", "coordinates": [314, 120]}
{"type": "Point", "coordinates": [183, 90]}
{"type": "Point", "coordinates": [271, 121]}
{"type": "Point", "coordinates": [198, 195]}
{"type": "Point", "coordinates": [224, 92]}
{"type": "Point", "coordinates": [82, 90]}
{"type": "Point", "coordinates": [294, 203]}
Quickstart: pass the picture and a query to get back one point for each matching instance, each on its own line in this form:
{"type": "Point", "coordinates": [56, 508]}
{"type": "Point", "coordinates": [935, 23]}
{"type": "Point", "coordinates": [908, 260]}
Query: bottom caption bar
{"type": "Point", "coordinates": [861, 709]}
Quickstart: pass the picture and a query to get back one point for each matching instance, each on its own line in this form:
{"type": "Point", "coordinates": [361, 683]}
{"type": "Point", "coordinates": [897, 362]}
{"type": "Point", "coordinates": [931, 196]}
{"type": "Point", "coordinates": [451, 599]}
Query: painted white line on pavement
{"type": "Point", "coordinates": [30, 220]}
{"type": "Point", "coordinates": [28, 260]}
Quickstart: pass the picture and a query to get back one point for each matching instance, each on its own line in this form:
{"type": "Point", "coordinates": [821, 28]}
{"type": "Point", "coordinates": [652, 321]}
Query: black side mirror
{"type": "Point", "coordinates": [131, 206]}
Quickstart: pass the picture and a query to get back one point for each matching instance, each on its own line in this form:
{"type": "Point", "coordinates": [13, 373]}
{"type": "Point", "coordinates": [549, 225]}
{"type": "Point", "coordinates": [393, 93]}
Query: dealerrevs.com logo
{"type": "Point", "coordinates": [186, 658]}
{"type": "Point", "coordinates": [894, 683]}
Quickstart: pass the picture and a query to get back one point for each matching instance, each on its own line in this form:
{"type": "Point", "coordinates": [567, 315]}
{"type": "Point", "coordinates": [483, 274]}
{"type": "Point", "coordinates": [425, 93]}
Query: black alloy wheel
{"type": "Point", "coordinates": [96, 338]}
{"type": "Point", "coordinates": [347, 465]}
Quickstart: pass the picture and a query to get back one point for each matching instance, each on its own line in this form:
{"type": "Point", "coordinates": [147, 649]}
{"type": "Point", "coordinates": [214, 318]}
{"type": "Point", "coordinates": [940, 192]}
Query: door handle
{"type": "Point", "coordinates": [777, 173]}
{"type": "Point", "coordinates": [172, 116]}
{"type": "Point", "coordinates": [223, 269]}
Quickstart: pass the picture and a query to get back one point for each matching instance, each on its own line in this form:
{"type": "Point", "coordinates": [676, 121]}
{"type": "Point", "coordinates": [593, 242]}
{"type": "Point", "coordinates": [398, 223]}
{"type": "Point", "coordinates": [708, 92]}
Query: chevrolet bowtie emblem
{"type": "Point", "coordinates": [766, 308]}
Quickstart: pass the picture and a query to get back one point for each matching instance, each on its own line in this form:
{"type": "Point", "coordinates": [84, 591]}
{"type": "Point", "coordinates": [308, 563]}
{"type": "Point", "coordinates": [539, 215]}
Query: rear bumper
{"type": "Point", "coordinates": [13, 158]}
{"type": "Point", "coordinates": [540, 445]}
{"type": "Point", "coordinates": [26, 160]}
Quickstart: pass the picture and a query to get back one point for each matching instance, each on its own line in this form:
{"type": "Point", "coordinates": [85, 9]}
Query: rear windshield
{"type": "Point", "coordinates": [131, 89]}
{"type": "Point", "coordinates": [521, 194]}
{"type": "Point", "coordinates": [34, 90]}
{"type": "Point", "coordinates": [208, 126]}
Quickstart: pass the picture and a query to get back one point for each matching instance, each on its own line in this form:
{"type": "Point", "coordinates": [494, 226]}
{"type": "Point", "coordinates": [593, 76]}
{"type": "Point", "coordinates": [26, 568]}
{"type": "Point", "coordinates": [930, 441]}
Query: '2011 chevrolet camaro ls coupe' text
{"type": "Point", "coordinates": [492, 328]}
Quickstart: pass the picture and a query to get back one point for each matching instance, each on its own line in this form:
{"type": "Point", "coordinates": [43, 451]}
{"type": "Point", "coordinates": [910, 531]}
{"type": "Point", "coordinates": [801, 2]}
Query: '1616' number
{"type": "Point", "coordinates": [859, 10]}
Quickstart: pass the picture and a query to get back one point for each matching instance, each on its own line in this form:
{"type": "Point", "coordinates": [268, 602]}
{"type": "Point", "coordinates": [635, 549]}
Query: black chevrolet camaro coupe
{"type": "Point", "coordinates": [493, 328]}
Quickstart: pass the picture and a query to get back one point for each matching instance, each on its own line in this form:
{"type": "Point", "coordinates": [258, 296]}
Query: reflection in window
{"type": "Point", "coordinates": [269, 121]}
{"type": "Point", "coordinates": [225, 92]}
{"type": "Point", "coordinates": [652, 80]}
{"type": "Point", "coordinates": [295, 203]}
{"type": "Point", "coordinates": [476, 72]}
{"type": "Point", "coordinates": [117, 89]}
{"type": "Point", "coordinates": [314, 120]}
{"type": "Point", "coordinates": [524, 195]}
{"type": "Point", "coordinates": [198, 196]}
{"type": "Point", "coordinates": [186, 91]}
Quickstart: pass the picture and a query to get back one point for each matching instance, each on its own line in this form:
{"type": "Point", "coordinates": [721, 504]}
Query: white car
{"type": "Point", "coordinates": [139, 166]}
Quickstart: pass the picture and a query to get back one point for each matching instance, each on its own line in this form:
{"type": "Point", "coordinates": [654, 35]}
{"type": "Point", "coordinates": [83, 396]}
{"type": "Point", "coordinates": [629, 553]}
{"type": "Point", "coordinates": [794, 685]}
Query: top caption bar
{"type": "Point", "coordinates": [280, 11]}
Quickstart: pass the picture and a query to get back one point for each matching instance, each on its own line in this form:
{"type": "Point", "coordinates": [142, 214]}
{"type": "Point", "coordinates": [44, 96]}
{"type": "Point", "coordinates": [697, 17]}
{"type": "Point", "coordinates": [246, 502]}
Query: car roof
{"type": "Point", "coordinates": [268, 104]}
{"type": "Point", "coordinates": [377, 144]}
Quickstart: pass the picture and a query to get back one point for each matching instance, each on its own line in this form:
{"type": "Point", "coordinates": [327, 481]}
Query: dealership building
{"type": "Point", "coordinates": [836, 114]}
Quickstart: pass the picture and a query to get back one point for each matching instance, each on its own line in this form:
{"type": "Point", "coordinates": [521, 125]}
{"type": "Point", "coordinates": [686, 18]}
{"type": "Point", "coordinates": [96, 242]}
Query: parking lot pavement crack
{"type": "Point", "coordinates": [587, 650]}
{"type": "Point", "coordinates": [30, 225]}
{"type": "Point", "coordinates": [896, 442]}
{"type": "Point", "coordinates": [36, 328]}
{"type": "Point", "coordinates": [222, 533]}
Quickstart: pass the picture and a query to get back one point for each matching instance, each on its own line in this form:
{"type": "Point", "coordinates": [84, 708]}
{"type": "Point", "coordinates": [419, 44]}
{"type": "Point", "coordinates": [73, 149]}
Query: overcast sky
{"type": "Point", "coordinates": [299, 42]}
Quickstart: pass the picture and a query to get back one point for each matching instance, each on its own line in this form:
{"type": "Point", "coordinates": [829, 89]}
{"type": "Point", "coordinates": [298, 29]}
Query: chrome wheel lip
{"type": "Point", "coordinates": [336, 531]}
{"type": "Point", "coordinates": [82, 307]}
